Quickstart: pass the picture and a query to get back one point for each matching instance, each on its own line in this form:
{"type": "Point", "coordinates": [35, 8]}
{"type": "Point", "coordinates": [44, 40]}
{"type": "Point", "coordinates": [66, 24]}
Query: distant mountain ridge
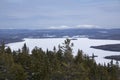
{"type": "Point", "coordinates": [14, 35]}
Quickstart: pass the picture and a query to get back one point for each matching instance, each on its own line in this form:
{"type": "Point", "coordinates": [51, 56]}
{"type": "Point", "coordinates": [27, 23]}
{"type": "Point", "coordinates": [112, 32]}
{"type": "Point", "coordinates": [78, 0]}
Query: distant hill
{"type": "Point", "coordinates": [14, 35]}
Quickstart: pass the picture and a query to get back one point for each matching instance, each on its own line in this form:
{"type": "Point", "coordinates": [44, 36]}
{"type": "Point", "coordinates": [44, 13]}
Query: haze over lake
{"type": "Point", "coordinates": [81, 43]}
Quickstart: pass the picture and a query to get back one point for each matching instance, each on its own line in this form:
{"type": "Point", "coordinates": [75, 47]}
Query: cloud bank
{"type": "Point", "coordinates": [44, 13]}
{"type": "Point", "coordinates": [75, 27]}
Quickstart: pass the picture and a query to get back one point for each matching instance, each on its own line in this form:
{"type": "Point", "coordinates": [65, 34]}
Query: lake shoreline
{"type": "Point", "coordinates": [108, 47]}
{"type": "Point", "coordinates": [81, 43]}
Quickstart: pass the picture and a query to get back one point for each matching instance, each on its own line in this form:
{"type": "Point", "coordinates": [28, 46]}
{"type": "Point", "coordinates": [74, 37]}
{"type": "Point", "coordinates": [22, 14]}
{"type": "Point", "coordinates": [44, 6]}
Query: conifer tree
{"type": "Point", "coordinates": [25, 49]}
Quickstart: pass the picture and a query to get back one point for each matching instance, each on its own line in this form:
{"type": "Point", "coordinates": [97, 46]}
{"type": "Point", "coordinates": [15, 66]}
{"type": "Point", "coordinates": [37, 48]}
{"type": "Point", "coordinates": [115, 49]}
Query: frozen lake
{"type": "Point", "coordinates": [81, 43]}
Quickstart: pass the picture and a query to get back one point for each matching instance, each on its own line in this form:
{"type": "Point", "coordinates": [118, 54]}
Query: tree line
{"type": "Point", "coordinates": [58, 64]}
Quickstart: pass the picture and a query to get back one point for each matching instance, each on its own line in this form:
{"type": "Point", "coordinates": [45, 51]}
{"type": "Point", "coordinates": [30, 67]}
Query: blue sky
{"type": "Point", "coordinates": [39, 14]}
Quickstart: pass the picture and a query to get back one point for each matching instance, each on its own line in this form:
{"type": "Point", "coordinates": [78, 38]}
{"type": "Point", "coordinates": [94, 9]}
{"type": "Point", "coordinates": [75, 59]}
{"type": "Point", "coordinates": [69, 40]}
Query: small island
{"type": "Point", "coordinates": [114, 57]}
{"type": "Point", "coordinates": [108, 47]}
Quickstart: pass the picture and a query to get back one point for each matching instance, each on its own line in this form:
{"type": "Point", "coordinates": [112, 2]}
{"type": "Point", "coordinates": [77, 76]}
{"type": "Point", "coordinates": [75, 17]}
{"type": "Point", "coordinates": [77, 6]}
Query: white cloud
{"type": "Point", "coordinates": [74, 27]}
{"type": "Point", "coordinates": [60, 27]}
{"type": "Point", "coordinates": [87, 26]}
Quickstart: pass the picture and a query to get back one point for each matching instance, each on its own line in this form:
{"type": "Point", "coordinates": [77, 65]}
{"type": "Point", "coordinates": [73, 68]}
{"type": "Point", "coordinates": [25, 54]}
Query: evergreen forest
{"type": "Point", "coordinates": [58, 64]}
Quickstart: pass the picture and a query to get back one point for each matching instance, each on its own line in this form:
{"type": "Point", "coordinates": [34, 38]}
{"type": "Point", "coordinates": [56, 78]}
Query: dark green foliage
{"type": "Point", "coordinates": [53, 65]}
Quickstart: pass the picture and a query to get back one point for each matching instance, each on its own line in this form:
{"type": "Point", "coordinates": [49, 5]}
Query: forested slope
{"type": "Point", "coordinates": [53, 65]}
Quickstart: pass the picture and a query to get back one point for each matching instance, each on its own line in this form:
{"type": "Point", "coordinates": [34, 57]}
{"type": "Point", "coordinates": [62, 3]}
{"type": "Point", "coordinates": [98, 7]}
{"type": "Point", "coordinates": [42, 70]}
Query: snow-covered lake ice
{"type": "Point", "coordinates": [81, 43]}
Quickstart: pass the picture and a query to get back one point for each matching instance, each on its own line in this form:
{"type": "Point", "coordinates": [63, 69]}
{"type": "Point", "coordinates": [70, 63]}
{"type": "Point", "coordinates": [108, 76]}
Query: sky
{"type": "Point", "coordinates": [59, 14]}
